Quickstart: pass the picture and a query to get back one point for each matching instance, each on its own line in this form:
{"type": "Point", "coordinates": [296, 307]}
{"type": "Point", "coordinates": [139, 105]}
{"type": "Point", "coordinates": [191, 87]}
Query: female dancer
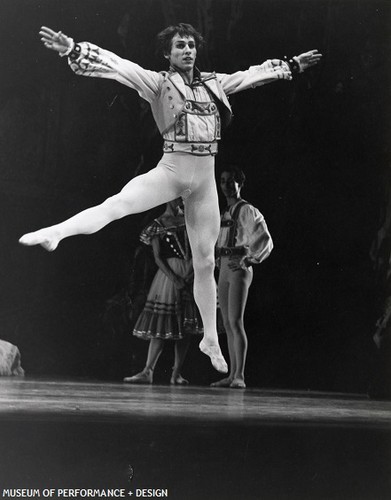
{"type": "Point", "coordinates": [170, 312]}
{"type": "Point", "coordinates": [190, 109]}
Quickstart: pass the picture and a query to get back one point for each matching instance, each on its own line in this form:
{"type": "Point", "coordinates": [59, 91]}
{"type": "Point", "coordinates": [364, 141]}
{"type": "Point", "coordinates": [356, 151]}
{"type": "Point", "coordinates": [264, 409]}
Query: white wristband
{"type": "Point", "coordinates": [69, 49]}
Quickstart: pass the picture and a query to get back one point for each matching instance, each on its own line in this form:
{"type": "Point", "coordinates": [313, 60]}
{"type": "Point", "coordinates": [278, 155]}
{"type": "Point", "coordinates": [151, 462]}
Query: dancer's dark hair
{"type": "Point", "coordinates": [164, 38]}
{"type": "Point", "coordinates": [237, 173]}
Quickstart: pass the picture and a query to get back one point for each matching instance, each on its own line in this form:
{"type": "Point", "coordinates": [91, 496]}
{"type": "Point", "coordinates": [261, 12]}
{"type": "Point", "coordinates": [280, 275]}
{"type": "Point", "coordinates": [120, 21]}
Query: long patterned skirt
{"type": "Point", "coordinates": [169, 313]}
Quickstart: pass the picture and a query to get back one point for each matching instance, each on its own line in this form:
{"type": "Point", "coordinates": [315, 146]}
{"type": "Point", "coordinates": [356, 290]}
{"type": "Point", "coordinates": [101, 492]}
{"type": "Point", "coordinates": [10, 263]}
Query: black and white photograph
{"type": "Point", "coordinates": [196, 238]}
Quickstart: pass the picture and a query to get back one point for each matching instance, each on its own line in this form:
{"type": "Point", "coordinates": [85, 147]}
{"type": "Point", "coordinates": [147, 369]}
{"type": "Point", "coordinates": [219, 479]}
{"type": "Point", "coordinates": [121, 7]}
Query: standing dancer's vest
{"type": "Point", "coordinates": [232, 224]}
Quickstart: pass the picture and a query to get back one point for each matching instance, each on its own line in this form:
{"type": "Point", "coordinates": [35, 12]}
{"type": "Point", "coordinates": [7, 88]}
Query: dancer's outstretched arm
{"type": "Point", "coordinates": [87, 59]}
{"type": "Point", "coordinates": [269, 71]}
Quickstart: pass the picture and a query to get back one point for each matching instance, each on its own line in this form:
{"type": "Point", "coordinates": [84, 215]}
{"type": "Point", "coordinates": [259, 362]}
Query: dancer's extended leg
{"type": "Point", "coordinates": [202, 223]}
{"type": "Point", "coordinates": [142, 193]}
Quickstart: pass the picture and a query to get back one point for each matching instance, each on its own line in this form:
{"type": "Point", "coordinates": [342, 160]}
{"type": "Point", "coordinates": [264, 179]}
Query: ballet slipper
{"type": "Point", "coordinates": [225, 382]}
{"type": "Point", "coordinates": [140, 378]}
{"type": "Point", "coordinates": [214, 352]}
{"type": "Point", "coordinates": [46, 238]}
{"type": "Point", "coordinates": [178, 380]}
{"type": "Point", "coordinates": [237, 383]}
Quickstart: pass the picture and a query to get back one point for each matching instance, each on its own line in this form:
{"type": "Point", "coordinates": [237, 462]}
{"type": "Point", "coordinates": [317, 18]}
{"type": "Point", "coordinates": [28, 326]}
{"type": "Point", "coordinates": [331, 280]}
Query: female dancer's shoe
{"type": "Point", "coordinates": [178, 380]}
{"type": "Point", "coordinates": [139, 378]}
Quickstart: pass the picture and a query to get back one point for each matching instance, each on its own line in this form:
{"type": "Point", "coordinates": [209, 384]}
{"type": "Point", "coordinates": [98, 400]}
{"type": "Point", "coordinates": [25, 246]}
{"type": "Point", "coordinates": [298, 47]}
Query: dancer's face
{"type": "Point", "coordinates": [229, 186]}
{"type": "Point", "coordinates": [183, 53]}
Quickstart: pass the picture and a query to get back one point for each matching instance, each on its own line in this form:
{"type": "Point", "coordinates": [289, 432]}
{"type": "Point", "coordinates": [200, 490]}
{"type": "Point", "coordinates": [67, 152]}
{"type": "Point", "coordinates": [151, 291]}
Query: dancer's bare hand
{"type": "Point", "coordinates": [236, 264]}
{"type": "Point", "coordinates": [179, 282]}
{"type": "Point", "coordinates": [55, 40]}
{"type": "Point", "coordinates": [308, 59]}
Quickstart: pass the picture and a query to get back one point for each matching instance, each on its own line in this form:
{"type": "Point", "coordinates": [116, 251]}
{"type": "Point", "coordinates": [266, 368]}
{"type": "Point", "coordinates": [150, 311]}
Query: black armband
{"type": "Point", "coordinates": [293, 64]}
{"type": "Point", "coordinates": [75, 52]}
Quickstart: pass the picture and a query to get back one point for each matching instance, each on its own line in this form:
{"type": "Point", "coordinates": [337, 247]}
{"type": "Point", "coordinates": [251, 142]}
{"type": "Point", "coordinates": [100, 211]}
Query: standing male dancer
{"type": "Point", "coordinates": [244, 240]}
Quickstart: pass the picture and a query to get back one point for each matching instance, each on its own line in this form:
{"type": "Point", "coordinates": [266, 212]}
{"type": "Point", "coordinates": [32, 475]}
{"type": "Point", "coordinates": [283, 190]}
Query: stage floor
{"type": "Point", "coordinates": [191, 442]}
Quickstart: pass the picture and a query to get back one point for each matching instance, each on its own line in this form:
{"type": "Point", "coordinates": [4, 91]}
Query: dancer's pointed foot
{"type": "Point", "coordinates": [143, 377]}
{"type": "Point", "coordinates": [237, 383]}
{"type": "Point", "coordinates": [214, 352]}
{"type": "Point", "coordinates": [178, 380]}
{"type": "Point", "coordinates": [48, 238]}
{"type": "Point", "coordinates": [225, 382]}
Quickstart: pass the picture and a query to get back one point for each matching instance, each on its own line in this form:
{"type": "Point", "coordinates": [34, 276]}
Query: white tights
{"type": "Point", "coordinates": [177, 174]}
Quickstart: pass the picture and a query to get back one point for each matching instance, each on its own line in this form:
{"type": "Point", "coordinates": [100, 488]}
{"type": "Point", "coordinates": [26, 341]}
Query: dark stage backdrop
{"type": "Point", "coordinates": [315, 152]}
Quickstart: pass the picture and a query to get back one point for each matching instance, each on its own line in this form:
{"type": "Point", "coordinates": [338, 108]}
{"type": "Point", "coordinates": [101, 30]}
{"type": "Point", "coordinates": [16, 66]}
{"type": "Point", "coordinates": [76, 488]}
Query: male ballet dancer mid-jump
{"type": "Point", "coordinates": [190, 109]}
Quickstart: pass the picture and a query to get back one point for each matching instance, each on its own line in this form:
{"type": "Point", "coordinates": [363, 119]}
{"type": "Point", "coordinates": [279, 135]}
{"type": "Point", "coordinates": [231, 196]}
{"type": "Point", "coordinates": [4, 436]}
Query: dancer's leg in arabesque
{"type": "Point", "coordinates": [145, 191]}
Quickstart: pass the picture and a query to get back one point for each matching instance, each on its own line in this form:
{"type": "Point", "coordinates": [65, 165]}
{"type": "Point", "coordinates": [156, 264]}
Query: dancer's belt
{"type": "Point", "coordinates": [228, 251]}
{"type": "Point", "coordinates": [194, 148]}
